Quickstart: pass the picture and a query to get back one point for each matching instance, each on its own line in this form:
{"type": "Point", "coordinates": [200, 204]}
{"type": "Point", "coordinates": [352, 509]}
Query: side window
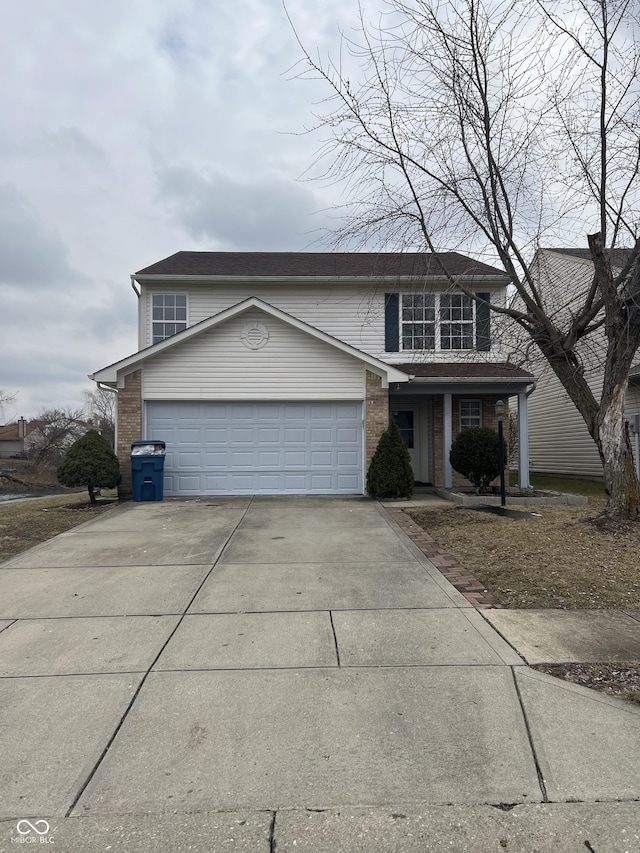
{"type": "Point", "coordinates": [470, 414]}
{"type": "Point", "coordinates": [169, 315]}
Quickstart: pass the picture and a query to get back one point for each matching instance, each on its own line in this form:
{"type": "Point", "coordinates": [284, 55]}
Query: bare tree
{"type": "Point", "coordinates": [493, 126]}
{"type": "Point", "coordinates": [55, 432]}
{"type": "Point", "coordinates": [101, 411]}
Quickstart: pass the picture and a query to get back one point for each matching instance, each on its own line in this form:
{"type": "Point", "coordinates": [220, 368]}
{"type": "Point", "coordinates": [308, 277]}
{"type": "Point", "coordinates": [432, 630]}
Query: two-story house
{"type": "Point", "coordinates": [276, 372]}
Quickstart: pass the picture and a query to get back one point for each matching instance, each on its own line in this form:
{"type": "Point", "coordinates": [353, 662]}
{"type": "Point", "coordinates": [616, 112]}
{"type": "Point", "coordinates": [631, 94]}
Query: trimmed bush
{"type": "Point", "coordinates": [475, 455]}
{"type": "Point", "coordinates": [390, 474]}
{"type": "Point", "coordinates": [90, 462]}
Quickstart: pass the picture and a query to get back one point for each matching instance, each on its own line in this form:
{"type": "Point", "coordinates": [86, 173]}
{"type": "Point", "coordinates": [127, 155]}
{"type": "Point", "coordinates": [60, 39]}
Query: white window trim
{"type": "Point", "coordinates": [151, 320]}
{"type": "Point", "coordinates": [469, 400]}
{"type": "Point", "coordinates": [437, 323]}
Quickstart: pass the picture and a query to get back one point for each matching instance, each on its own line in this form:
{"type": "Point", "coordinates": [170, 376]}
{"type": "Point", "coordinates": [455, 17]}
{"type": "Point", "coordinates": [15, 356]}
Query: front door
{"type": "Point", "coordinates": [407, 421]}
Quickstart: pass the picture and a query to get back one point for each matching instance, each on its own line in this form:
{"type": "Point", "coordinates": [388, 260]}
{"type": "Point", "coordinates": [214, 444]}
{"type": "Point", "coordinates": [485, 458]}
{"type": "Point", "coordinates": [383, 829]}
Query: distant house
{"type": "Point", "coordinates": [25, 438]}
{"type": "Point", "coordinates": [277, 372]}
{"type": "Point", "coordinates": [559, 442]}
{"type": "Point", "coordinates": [50, 439]}
{"type": "Point", "coordinates": [12, 438]}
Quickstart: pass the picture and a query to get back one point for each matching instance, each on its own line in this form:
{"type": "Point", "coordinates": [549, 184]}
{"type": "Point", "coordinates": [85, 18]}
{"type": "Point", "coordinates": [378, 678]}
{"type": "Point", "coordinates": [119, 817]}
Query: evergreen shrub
{"type": "Point", "coordinates": [390, 474]}
{"type": "Point", "coordinates": [90, 462]}
{"type": "Point", "coordinates": [475, 455]}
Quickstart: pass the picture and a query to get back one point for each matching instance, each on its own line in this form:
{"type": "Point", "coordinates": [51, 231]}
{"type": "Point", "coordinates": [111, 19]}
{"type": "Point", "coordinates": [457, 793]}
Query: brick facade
{"type": "Point", "coordinates": [129, 426]}
{"type": "Point", "coordinates": [377, 414]}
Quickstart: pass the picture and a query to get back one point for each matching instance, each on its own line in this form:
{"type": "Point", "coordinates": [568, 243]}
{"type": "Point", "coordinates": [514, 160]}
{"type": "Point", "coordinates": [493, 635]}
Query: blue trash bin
{"type": "Point", "coordinates": [147, 470]}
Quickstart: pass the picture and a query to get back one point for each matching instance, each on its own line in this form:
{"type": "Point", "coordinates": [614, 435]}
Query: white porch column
{"type": "Point", "coordinates": [523, 441]}
{"type": "Point", "coordinates": [446, 442]}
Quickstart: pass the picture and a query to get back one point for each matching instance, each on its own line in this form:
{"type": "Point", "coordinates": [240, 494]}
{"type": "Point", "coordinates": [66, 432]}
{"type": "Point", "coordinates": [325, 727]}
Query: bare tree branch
{"type": "Point", "coordinates": [504, 125]}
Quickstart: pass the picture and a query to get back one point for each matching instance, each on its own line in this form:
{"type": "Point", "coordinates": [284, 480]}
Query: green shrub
{"type": "Point", "coordinates": [90, 462]}
{"type": "Point", "coordinates": [390, 474]}
{"type": "Point", "coordinates": [475, 455]}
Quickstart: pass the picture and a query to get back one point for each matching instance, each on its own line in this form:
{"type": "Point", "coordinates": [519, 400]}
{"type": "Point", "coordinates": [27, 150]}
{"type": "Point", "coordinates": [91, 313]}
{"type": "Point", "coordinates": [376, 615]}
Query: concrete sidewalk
{"type": "Point", "coordinates": [246, 674]}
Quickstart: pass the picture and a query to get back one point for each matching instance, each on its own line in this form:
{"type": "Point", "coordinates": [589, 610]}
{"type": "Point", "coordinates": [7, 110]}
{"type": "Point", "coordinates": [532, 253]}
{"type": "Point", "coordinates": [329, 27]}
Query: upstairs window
{"type": "Point", "coordinates": [437, 321]}
{"type": "Point", "coordinates": [456, 321]}
{"type": "Point", "coordinates": [169, 315]}
{"type": "Point", "coordinates": [418, 321]}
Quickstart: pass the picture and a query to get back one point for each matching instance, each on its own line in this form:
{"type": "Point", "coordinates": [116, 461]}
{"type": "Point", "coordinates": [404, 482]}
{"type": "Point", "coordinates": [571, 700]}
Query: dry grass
{"type": "Point", "coordinates": [566, 557]}
{"type": "Point", "coordinates": [27, 523]}
{"type": "Point", "coordinates": [619, 679]}
{"type": "Point", "coordinates": [563, 557]}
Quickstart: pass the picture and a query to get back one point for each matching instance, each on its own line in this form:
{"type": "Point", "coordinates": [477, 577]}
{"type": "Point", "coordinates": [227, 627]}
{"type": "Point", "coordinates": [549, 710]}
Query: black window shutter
{"type": "Point", "coordinates": [483, 322]}
{"type": "Point", "coordinates": [391, 322]}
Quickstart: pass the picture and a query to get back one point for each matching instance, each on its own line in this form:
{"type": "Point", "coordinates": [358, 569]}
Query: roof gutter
{"type": "Point", "coordinates": [498, 280]}
{"type": "Point", "coordinates": [133, 285]}
{"type": "Point", "coordinates": [480, 380]}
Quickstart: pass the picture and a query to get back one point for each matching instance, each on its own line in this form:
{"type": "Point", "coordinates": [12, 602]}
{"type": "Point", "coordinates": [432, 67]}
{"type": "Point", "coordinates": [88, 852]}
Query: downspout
{"type": "Point", "coordinates": [138, 293]}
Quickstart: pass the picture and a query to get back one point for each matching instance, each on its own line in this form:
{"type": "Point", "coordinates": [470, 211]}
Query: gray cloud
{"type": "Point", "coordinates": [132, 129]}
{"type": "Point", "coordinates": [270, 214]}
{"type": "Point", "coordinates": [30, 252]}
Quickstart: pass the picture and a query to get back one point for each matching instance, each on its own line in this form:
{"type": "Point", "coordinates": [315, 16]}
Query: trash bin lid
{"type": "Point", "coordinates": [148, 448]}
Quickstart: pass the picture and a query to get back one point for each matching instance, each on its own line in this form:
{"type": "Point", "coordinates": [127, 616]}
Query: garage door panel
{"type": "Point", "coordinates": [259, 448]}
{"type": "Point", "coordinates": [345, 435]}
{"type": "Point", "coordinates": [188, 483]}
{"type": "Point", "coordinates": [215, 435]}
{"type": "Point", "coordinates": [242, 458]}
{"type": "Point", "coordinates": [321, 482]}
{"type": "Point", "coordinates": [348, 483]}
{"type": "Point", "coordinates": [187, 459]}
{"type": "Point", "coordinates": [268, 459]}
{"type": "Point", "coordinates": [322, 410]}
{"type": "Point", "coordinates": [268, 411]}
{"type": "Point", "coordinates": [243, 435]}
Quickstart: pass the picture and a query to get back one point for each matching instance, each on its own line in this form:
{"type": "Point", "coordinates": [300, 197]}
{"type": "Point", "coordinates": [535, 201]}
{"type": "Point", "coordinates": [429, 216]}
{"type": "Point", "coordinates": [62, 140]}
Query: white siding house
{"type": "Point", "coordinates": [278, 372]}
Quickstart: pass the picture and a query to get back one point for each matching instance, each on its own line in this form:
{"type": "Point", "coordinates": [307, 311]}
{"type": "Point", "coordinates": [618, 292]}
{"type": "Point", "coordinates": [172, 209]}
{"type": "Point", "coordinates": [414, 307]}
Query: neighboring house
{"type": "Point", "coordinates": [12, 438]}
{"type": "Point", "coordinates": [48, 440]}
{"type": "Point", "coordinates": [27, 438]}
{"type": "Point", "coordinates": [559, 442]}
{"type": "Point", "coordinates": [276, 372]}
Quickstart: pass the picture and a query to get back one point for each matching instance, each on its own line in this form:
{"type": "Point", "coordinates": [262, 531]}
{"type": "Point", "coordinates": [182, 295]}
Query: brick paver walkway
{"type": "Point", "coordinates": [460, 577]}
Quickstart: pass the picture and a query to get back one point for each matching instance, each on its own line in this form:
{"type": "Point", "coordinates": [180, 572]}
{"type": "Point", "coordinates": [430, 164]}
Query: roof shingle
{"type": "Point", "coordinates": [460, 370]}
{"type": "Point", "coordinates": [303, 264]}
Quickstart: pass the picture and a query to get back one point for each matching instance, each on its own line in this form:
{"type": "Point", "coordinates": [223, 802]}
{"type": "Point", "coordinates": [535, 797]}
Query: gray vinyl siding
{"type": "Point", "coordinates": [632, 407]}
{"type": "Point", "coordinates": [559, 441]}
{"type": "Point", "coordinates": [216, 365]}
{"type": "Point", "coordinates": [353, 313]}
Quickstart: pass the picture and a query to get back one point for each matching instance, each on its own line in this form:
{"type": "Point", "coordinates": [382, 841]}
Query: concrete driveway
{"type": "Point", "coordinates": [241, 674]}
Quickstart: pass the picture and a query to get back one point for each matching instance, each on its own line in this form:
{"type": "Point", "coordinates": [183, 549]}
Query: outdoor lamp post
{"type": "Point", "coordinates": [500, 415]}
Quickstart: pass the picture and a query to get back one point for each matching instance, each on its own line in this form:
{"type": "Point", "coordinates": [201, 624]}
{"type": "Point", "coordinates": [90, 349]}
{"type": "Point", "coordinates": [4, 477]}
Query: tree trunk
{"type": "Point", "coordinates": [622, 327]}
{"type": "Point", "coordinates": [92, 496]}
{"type": "Point", "coordinates": [605, 422]}
{"type": "Point", "coordinates": [620, 479]}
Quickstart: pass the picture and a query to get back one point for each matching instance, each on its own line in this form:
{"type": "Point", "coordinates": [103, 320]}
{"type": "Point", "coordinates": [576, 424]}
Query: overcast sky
{"type": "Point", "coordinates": [131, 130]}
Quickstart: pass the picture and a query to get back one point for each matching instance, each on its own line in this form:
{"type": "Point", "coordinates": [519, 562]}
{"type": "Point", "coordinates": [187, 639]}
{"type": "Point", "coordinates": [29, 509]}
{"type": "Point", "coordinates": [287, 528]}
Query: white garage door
{"type": "Point", "coordinates": [259, 448]}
